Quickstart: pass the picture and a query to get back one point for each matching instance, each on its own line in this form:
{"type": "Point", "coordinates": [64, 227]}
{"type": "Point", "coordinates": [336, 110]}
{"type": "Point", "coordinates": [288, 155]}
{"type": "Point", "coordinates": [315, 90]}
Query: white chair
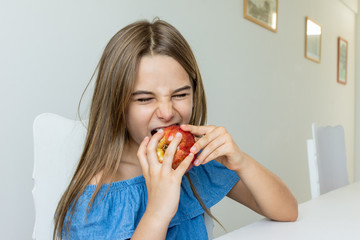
{"type": "Point", "coordinates": [58, 144]}
{"type": "Point", "coordinates": [327, 159]}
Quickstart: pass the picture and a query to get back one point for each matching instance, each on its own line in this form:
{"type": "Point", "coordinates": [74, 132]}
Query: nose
{"type": "Point", "coordinates": [165, 111]}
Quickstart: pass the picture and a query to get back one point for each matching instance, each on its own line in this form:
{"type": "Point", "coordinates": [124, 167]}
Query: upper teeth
{"type": "Point", "coordinates": [157, 129]}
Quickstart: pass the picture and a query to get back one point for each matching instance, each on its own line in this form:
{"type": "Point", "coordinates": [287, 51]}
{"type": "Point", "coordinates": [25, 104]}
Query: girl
{"type": "Point", "coordinates": [148, 79]}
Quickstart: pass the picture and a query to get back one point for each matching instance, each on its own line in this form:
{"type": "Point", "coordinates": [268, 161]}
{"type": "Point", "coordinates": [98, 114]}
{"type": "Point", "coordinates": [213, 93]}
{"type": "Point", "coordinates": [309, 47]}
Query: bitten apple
{"type": "Point", "coordinates": [183, 148]}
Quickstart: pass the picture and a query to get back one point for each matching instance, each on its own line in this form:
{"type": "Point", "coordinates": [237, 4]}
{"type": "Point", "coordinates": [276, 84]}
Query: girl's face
{"type": "Point", "coordinates": [162, 96]}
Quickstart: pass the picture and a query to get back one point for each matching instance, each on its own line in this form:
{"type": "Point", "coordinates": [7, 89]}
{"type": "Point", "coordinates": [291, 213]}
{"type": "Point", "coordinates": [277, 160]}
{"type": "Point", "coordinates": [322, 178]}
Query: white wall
{"type": "Point", "coordinates": [357, 100]}
{"type": "Point", "coordinates": [258, 83]}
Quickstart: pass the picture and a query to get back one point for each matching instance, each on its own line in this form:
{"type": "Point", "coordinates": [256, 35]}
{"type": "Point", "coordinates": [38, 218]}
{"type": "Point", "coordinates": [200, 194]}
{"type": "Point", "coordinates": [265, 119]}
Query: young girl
{"type": "Point", "coordinates": [148, 79]}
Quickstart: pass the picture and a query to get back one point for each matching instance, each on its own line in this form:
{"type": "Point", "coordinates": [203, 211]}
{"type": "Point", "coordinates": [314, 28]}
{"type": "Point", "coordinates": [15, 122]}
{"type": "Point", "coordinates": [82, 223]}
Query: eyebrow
{"type": "Point", "coordinates": [139, 92]}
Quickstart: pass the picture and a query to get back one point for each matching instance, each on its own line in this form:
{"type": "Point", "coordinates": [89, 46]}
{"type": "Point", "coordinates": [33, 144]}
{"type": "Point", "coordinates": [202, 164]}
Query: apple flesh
{"type": "Point", "coordinates": [183, 148]}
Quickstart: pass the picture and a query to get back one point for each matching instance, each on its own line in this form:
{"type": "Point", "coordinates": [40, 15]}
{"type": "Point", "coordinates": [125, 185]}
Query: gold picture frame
{"type": "Point", "coordinates": [312, 40]}
{"type": "Point", "coordinates": [342, 60]}
{"type": "Point", "coordinates": [262, 12]}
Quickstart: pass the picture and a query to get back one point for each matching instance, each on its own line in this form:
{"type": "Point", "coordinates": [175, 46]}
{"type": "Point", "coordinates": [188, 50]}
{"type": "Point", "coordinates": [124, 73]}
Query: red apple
{"type": "Point", "coordinates": [183, 148]}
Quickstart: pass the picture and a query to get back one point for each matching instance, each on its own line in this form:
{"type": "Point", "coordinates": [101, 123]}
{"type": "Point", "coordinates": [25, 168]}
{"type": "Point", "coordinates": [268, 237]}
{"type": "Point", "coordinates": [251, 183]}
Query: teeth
{"type": "Point", "coordinates": [157, 129]}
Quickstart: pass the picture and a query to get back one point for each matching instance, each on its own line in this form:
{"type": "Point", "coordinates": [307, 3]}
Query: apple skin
{"type": "Point", "coordinates": [183, 148]}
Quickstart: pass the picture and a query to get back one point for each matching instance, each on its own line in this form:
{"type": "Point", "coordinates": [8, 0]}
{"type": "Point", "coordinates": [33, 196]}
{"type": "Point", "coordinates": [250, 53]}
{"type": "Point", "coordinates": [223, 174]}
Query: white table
{"type": "Point", "coordinates": [334, 215]}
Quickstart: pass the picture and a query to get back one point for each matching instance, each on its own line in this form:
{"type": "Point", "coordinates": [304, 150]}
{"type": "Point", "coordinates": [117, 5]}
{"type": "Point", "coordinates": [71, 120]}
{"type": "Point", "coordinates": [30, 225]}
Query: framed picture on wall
{"type": "Point", "coordinates": [312, 40]}
{"type": "Point", "coordinates": [262, 12]}
{"type": "Point", "coordinates": [342, 60]}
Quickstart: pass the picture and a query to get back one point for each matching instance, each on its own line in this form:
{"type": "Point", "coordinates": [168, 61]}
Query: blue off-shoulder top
{"type": "Point", "coordinates": [118, 208]}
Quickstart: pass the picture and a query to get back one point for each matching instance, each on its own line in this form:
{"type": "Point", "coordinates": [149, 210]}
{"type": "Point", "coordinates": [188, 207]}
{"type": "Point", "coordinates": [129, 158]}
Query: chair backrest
{"type": "Point", "coordinates": [327, 159]}
{"type": "Point", "coordinates": [58, 143]}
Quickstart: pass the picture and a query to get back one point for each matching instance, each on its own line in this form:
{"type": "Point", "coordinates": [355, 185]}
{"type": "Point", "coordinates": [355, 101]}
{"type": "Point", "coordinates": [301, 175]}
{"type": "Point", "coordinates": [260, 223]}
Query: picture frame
{"type": "Point", "coordinates": [342, 60]}
{"type": "Point", "coordinates": [312, 40]}
{"type": "Point", "coordinates": [262, 12]}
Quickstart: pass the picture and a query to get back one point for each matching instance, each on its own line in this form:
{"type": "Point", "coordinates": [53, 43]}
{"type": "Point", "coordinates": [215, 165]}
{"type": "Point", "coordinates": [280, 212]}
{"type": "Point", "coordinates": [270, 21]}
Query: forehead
{"type": "Point", "coordinates": [160, 72]}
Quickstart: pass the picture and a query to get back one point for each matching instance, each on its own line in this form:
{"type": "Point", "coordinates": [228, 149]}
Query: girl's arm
{"type": "Point", "coordinates": [258, 189]}
{"type": "Point", "coordinates": [151, 227]}
{"type": "Point", "coordinates": [163, 187]}
{"type": "Point", "coordinates": [263, 192]}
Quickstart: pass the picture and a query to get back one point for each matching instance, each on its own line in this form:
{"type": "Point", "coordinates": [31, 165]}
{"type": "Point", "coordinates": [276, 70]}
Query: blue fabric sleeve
{"type": "Point", "coordinates": [212, 181]}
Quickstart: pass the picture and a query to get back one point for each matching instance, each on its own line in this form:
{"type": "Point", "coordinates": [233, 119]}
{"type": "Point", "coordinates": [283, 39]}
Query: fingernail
{"type": "Point", "coordinates": [193, 149]}
{"type": "Point", "coordinates": [160, 131]}
{"type": "Point", "coordinates": [196, 162]}
{"type": "Point", "coordinates": [178, 134]}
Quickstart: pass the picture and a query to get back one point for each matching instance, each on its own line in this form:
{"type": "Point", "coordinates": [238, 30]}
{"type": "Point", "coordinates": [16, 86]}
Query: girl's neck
{"type": "Point", "coordinates": [130, 153]}
{"type": "Point", "coordinates": [129, 166]}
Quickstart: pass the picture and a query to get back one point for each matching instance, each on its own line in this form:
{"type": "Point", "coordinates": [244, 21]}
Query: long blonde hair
{"type": "Point", "coordinates": [107, 133]}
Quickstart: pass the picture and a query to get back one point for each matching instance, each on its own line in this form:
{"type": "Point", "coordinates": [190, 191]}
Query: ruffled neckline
{"type": "Point", "coordinates": [117, 185]}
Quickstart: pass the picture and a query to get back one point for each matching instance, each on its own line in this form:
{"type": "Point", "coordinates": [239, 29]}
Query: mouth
{"type": "Point", "coordinates": [157, 129]}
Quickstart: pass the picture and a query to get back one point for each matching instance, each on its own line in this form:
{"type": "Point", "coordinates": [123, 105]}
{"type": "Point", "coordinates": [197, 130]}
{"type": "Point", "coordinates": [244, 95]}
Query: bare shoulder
{"type": "Point", "coordinates": [125, 171]}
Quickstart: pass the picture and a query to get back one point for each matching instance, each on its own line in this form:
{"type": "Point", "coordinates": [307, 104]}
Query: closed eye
{"type": "Point", "coordinates": [144, 100]}
{"type": "Point", "coordinates": [181, 95]}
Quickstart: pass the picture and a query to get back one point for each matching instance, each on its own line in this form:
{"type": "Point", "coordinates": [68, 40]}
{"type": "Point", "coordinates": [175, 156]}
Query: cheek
{"type": "Point", "coordinates": [137, 122]}
{"type": "Point", "coordinates": [185, 109]}
{"type": "Point", "coordinates": [188, 114]}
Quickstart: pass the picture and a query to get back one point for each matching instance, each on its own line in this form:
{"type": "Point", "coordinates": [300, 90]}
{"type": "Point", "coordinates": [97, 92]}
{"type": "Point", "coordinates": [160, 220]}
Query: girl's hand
{"type": "Point", "coordinates": [216, 144]}
{"type": "Point", "coordinates": [258, 188]}
{"type": "Point", "coordinates": [162, 182]}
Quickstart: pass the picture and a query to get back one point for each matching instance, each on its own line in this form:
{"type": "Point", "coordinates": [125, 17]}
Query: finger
{"type": "Point", "coordinates": [184, 165]}
{"type": "Point", "coordinates": [220, 151]}
{"type": "Point", "coordinates": [141, 154]}
{"type": "Point", "coordinates": [170, 151]}
{"type": "Point", "coordinates": [152, 146]}
{"type": "Point", "coordinates": [206, 140]}
{"type": "Point", "coordinates": [197, 130]}
{"type": "Point", "coordinates": [209, 150]}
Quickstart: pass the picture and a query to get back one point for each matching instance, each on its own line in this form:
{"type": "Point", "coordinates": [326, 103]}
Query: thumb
{"type": "Point", "coordinates": [184, 165]}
